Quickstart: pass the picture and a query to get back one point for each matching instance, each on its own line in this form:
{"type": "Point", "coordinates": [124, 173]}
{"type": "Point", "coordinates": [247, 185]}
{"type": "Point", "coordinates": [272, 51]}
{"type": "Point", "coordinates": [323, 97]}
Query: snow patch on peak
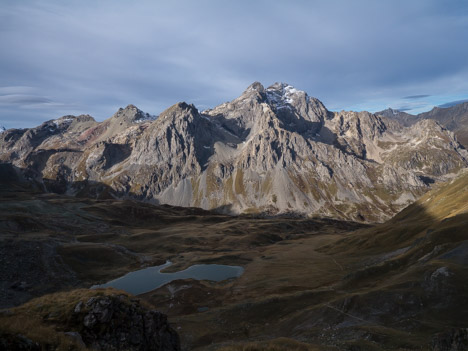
{"type": "Point", "coordinates": [282, 95]}
{"type": "Point", "coordinates": [290, 89]}
{"type": "Point", "coordinates": [393, 111]}
{"type": "Point", "coordinates": [289, 93]}
{"type": "Point", "coordinates": [389, 112]}
{"type": "Point", "coordinates": [145, 117]}
{"type": "Point", "coordinates": [63, 120]}
{"type": "Point", "coordinates": [2, 129]}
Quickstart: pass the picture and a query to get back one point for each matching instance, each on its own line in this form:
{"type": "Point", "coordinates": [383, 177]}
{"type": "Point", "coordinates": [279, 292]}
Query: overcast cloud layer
{"type": "Point", "coordinates": [73, 57]}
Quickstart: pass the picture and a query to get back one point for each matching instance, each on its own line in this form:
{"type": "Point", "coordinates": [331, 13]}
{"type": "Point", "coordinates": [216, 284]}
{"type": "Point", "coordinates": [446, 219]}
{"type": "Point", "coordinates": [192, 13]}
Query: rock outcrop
{"type": "Point", "coordinates": [116, 323]}
{"type": "Point", "coordinates": [454, 118]}
{"type": "Point", "coordinates": [451, 340]}
{"type": "Point", "coordinates": [272, 150]}
{"type": "Point", "coordinates": [95, 320]}
{"type": "Point", "coordinates": [17, 342]}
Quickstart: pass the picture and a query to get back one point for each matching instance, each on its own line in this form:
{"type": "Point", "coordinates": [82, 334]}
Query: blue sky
{"type": "Point", "coordinates": [73, 57]}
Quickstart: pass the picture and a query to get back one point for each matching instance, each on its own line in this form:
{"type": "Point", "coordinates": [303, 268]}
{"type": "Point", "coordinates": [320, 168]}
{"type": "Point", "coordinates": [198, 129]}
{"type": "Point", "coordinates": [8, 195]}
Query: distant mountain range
{"type": "Point", "coordinates": [272, 150]}
{"type": "Point", "coordinates": [454, 118]}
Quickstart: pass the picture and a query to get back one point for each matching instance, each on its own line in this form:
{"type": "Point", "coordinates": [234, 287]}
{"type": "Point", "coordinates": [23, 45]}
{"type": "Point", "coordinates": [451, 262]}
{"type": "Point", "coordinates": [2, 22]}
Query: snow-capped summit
{"type": "Point", "coordinates": [63, 120]}
{"type": "Point", "coordinates": [283, 94]}
{"type": "Point", "coordinates": [2, 129]}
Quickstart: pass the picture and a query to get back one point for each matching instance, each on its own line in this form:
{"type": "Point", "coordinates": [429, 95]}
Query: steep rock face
{"type": "Point", "coordinates": [404, 118]}
{"type": "Point", "coordinates": [239, 116]}
{"type": "Point", "coordinates": [454, 118]}
{"type": "Point", "coordinates": [356, 132]}
{"type": "Point", "coordinates": [297, 111]}
{"type": "Point", "coordinates": [427, 143]}
{"type": "Point", "coordinates": [171, 150]}
{"type": "Point", "coordinates": [272, 150]}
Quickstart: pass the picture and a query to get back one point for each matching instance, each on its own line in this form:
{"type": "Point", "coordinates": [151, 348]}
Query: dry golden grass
{"type": "Point", "coordinates": [37, 319]}
{"type": "Point", "coordinates": [34, 329]}
{"type": "Point", "coordinates": [45, 319]}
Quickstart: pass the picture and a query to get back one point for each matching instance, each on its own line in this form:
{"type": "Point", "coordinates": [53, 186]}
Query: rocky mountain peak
{"type": "Point", "coordinates": [273, 150]}
{"type": "Point", "coordinates": [85, 118]}
{"type": "Point", "coordinates": [255, 86]}
{"type": "Point", "coordinates": [389, 112]}
{"type": "Point", "coordinates": [454, 118]}
{"type": "Point", "coordinates": [457, 109]}
{"type": "Point", "coordinates": [254, 94]}
{"type": "Point", "coordinates": [179, 109]}
{"type": "Point", "coordinates": [281, 86]}
{"type": "Point", "coordinates": [284, 95]}
{"type": "Point", "coordinates": [280, 94]}
{"type": "Point", "coordinates": [295, 108]}
{"type": "Point", "coordinates": [69, 119]}
{"type": "Point", "coordinates": [132, 114]}
{"type": "Point", "coordinates": [402, 117]}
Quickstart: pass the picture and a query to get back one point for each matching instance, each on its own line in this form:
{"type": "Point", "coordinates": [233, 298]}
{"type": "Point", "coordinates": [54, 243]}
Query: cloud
{"type": "Point", "coordinates": [16, 90]}
{"type": "Point", "coordinates": [94, 57]}
{"type": "Point", "coordinates": [20, 99]}
{"type": "Point", "coordinates": [453, 103]}
{"type": "Point", "coordinates": [414, 97]}
{"type": "Point", "coordinates": [414, 106]}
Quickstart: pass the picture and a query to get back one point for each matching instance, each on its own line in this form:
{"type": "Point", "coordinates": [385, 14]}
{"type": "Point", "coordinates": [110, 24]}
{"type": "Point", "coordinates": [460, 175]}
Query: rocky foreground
{"type": "Point", "coordinates": [272, 150]}
{"type": "Point", "coordinates": [98, 320]}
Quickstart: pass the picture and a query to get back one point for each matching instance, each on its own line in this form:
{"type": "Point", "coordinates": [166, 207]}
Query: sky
{"type": "Point", "coordinates": [94, 56]}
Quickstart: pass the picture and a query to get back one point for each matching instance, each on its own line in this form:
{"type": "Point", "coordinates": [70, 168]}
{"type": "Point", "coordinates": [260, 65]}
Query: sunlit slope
{"type": "Point", "coordinates": [411, 281]}
{"type": "Point", "coordinates": [439, 216]}
{"type": "Point", "coordinates": [404, 283]}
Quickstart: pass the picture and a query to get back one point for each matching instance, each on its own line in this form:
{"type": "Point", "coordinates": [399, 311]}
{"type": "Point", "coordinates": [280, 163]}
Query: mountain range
{"type": "Point", "coordinates": [308, 284]}
{"type": "Point", "coordinates": [85, 202]}
{"type": "Point", "coordinates": [270, 151]}
{"type": "Point", "coordinates": [454, 118]}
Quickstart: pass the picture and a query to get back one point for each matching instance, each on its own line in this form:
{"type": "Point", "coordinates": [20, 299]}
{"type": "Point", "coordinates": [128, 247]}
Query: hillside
{"type": "Point", "coordinates": [398, 285]}
{"type": "Point", "coordinates": [315, 284]}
